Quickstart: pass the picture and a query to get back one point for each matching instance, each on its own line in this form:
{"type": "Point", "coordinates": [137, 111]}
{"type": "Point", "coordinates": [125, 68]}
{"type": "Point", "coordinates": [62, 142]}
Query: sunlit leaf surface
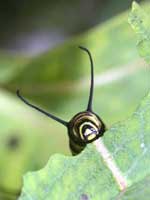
{"type": "Point", "coordinates": [70, 178]}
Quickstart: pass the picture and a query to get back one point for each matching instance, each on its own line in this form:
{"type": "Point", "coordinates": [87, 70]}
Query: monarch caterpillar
{"type": "Point", "coordinates": [86, 126]}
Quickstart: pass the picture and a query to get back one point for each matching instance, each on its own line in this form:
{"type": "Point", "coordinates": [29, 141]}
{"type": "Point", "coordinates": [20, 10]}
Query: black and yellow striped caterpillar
{"type": "Point", "coordinates": [85, 127]}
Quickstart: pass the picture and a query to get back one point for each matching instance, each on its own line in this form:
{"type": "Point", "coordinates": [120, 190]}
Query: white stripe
{"type": "Point", "coordinates": [110, 163]}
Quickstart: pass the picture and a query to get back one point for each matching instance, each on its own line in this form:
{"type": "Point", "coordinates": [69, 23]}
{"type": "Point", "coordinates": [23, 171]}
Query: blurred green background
{"type": "Point", "coordinates": [39, 56]}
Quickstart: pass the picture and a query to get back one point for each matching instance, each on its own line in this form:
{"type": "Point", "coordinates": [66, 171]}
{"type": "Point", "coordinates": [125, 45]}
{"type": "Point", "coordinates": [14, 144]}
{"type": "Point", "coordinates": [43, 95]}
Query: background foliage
{"type": "Point", "coordinates": [58, 80]}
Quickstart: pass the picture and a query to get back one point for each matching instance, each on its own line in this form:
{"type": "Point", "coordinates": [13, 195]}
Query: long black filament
{"type": "Point", "coordinates": [89, 107]}
{"type": "Point", "coordinates": [42, 111]}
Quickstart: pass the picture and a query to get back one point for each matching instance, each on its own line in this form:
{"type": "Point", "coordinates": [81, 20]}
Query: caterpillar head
{"type": "Point", "coordinates": [85, 127]}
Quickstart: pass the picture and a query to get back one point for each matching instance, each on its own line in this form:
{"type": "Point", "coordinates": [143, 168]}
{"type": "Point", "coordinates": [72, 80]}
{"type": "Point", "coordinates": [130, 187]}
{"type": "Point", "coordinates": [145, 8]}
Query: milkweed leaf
{"type": "Point", "coordinates": [140, 22]}
{"type": "Point", "coordinates": [87, 175]}
{"type": "Point", "coordinates": [71, 177]}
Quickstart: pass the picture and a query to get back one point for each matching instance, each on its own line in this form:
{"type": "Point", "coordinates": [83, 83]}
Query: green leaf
{"type": "Point", "coordinates": [21, 140]}
{"type": "Point", "coordinates": [88, 174]}
{"type": "Point", "coordinates": [10, 66]}
{"type": "Point", "coordinates": [58, 81]}
{"type": "Point", "coordinates": [139, 190]}
{"type": "Point", "coordinates": [140, 22]}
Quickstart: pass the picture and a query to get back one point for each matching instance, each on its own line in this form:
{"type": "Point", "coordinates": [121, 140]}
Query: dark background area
{"type": "Point", "coordinates": [31, 27]}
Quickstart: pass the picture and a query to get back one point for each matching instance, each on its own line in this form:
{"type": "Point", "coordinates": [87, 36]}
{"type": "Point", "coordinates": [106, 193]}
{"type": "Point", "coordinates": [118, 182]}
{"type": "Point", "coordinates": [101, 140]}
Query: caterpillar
{"type": "Point", "coordinates": [86, 126]}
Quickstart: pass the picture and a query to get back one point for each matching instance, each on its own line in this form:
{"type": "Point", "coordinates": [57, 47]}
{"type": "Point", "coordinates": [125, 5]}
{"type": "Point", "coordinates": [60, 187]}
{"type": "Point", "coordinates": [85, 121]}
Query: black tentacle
{"type": "Point", "coordinates": [89, 107]}
{"type": "Point", "coordinates": [42, 111]}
